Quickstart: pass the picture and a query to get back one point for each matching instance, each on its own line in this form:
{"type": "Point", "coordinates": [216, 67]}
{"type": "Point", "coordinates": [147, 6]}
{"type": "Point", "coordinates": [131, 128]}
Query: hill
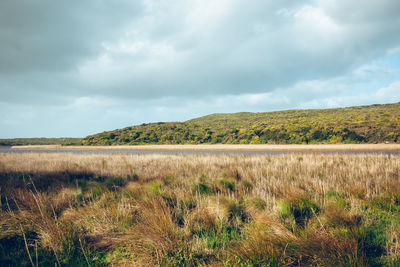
{"type": "Point", "coordinates": [360, 124]}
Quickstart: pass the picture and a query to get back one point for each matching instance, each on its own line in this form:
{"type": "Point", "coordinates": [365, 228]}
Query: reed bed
{"type": "Point", "coordinates": [228, 147]}
{"type": "Point", "coordinates": [298, 209]}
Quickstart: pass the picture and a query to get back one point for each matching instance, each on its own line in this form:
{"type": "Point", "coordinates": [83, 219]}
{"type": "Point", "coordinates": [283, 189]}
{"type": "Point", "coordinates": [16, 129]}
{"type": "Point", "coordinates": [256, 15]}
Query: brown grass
{"type": "Point", "coordinates": [289, 209]}
{"type": "Point", "coordinates": [294, 147]}
{"type": "Point", "coordinates": [363, 175]}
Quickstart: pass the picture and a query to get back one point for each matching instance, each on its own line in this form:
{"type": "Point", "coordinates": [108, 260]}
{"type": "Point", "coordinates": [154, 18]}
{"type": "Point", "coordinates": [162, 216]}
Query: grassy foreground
{"type": "Point", "coordinates": [191, 210]}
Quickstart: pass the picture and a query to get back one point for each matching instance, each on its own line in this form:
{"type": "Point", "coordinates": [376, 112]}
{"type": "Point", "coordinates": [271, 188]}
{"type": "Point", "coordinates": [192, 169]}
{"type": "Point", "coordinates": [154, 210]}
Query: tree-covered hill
{"type": "Point", "coordinates": [361, 124]}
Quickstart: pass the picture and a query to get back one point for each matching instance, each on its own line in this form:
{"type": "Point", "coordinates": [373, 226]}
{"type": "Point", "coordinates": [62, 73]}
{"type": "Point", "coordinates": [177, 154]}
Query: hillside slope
{"type": "Point", "coordinates": [361, 124]}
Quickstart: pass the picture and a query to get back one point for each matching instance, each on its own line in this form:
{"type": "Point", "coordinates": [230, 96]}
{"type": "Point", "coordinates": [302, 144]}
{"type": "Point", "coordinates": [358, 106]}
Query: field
{"type": "Point", "coordinates": [294, 209]}
{"type": "Point", "coordinates": [224, 147]}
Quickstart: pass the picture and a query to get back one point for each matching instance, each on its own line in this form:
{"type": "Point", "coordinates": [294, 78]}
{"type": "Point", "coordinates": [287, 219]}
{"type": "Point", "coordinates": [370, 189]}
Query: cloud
{"type": "Point", "coordinates": [228, 47]}
{"type": "Point", "coordinates": [56, 35]}
{"type": "Point", "coordinates": [43, 42]}
{"type": "Point", "coordinates": [153, 60]}
{"type": "Point", "coordinates": [390, 93]}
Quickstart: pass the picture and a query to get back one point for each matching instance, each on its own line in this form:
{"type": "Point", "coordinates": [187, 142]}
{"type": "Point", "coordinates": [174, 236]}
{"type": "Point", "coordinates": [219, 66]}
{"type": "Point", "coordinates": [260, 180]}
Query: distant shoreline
{"type": "Point", "coordinates": [228, 147]}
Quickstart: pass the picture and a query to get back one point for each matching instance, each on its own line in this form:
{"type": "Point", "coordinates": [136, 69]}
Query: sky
{"type": "Point", "coordinates": [75, 68]}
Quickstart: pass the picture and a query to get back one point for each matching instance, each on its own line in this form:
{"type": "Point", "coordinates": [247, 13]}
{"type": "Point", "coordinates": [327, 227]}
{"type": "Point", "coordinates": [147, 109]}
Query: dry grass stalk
{"type": "Point", "coordinates": [291, 209]}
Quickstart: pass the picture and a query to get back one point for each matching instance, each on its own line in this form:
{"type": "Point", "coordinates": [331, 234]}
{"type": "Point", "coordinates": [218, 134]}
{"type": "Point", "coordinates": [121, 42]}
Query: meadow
{"type": "Point", "coordinates": [230, 147]}
{"type": "Point", "coordinates": [297, 209]}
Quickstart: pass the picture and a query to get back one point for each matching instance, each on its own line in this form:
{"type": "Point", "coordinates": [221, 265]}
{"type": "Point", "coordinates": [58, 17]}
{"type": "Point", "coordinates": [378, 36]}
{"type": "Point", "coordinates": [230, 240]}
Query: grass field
{"type": "Point", "coordinates": [344, 147]}
{"type": "Point", "coordinates": [193, 210]}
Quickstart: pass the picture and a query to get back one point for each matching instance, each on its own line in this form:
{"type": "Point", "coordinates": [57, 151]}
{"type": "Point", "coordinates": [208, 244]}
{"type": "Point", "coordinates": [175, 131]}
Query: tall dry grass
{"type": "Point", "coordinates": [243, 210]}
{"type": "Point", "coordinates": [228, 147]}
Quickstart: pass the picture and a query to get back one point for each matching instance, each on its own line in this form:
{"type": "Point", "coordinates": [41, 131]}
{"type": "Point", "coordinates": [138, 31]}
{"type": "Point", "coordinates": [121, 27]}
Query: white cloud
{"type": "Point", "coordinates": [155, 60]}
{"type": "Point", "coordinates": [390, 93]}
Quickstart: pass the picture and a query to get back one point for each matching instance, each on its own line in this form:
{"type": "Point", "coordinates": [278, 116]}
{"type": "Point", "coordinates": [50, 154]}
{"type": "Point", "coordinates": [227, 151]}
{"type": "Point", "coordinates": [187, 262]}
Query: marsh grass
{"type": "Point", "coordinates": [194, 210]}
{"type": "Point", "coordinates": [235, 147]}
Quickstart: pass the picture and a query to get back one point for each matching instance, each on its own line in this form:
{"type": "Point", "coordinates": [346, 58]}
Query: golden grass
{"type": "Point", "coordinates": [270, 174]}
{"type": "Point", "coordinates": [294, 147]}
{"type": "Point", "coordinates": [294, 209]}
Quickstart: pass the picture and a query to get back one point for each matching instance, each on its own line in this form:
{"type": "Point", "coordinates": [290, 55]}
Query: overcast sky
{"type": "Point", "coordinates": [74, 68]}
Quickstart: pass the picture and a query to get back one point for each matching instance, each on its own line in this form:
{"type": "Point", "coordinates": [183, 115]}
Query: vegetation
{"type": "Point", "coordinates": [194, 210]}
{"type": "Point", "coordinates": [364, 124]}
{"type": "Point", "coordinates": [40, 141]}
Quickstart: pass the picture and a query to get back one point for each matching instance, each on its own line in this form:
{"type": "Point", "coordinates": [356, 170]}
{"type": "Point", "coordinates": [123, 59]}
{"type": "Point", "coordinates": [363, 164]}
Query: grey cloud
{"type": "Point", "coordinates": [159, 60]}
{"type": "Point", "coordinates": [247, 48]}
{"type": "Point", "coordinates": [43, 42]}
{"type": "Point", "coordinates": [57, 35]}
{"type": "Point", "coordinates": [372, 11]}
{"type": "Point", "coordinates": [226, 47]}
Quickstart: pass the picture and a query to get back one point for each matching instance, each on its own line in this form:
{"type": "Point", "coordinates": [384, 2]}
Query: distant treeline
{"type": "Point", "coordinates": [40, 141]}
{"type": "Point", "coordinates": [362, 124]}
